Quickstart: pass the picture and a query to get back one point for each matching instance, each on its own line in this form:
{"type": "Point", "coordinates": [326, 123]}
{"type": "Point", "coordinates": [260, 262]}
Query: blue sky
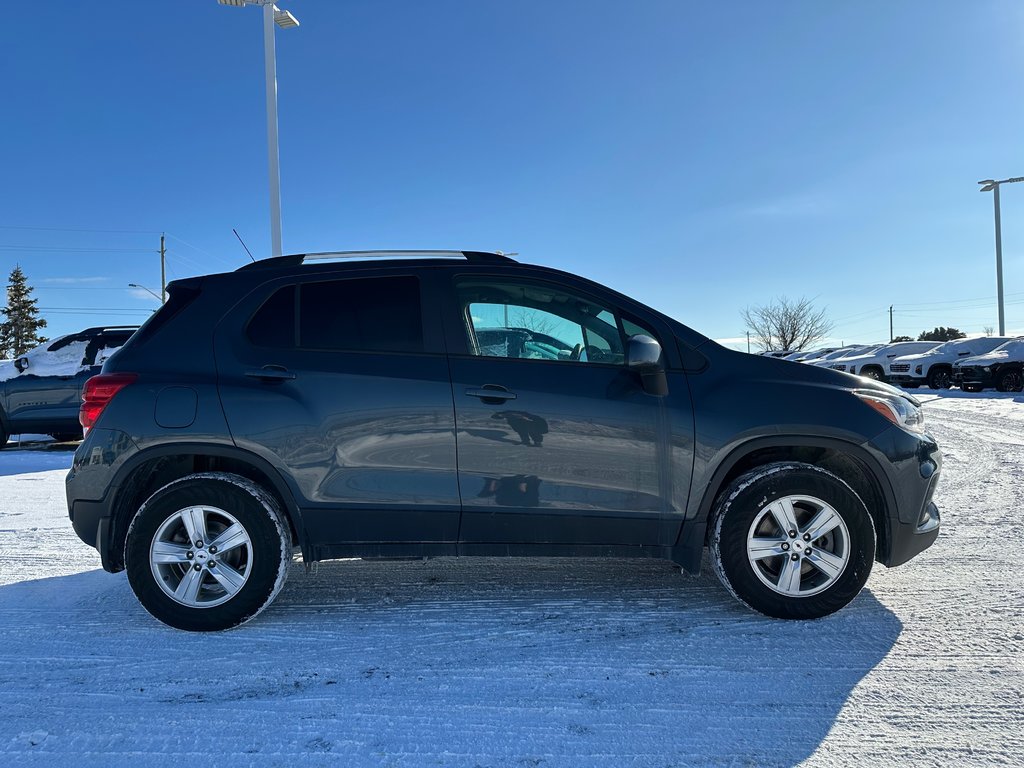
{"type": "Point", "coordinates": [700, 156]}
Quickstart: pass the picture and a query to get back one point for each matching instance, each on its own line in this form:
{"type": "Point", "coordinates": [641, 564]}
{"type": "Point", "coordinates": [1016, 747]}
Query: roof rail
{"type": "Point", "coordinates": [482, 257]}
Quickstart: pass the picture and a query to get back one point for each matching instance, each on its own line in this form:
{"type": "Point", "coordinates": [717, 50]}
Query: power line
{"type": "Point", "coordinates": [72, 229]}
{"type": "Point", "coordinates": [50, 249]}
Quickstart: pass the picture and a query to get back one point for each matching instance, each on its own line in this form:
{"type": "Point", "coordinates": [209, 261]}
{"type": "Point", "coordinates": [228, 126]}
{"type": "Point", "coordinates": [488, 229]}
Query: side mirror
{"type": "Point", "coordinates": [21, 364]}
{"type": "Point", "coordinates": [644, 355]}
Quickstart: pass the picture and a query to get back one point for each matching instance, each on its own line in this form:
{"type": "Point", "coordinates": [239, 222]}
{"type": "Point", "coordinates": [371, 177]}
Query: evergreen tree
{"type": "Point", "coordinates": [19, 331]}
{"type": "Point", "coordinates": [942, 333]}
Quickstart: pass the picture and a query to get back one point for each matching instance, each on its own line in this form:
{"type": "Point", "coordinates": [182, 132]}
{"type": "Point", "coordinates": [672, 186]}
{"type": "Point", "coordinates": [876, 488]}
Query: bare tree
{"type": "Point", "coordinates": [787, 324]}
{"type": "Point", "coordinates": [988, 330]}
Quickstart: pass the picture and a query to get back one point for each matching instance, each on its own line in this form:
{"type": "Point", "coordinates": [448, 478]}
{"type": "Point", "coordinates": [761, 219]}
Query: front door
{"type": "Point", "coordinates": [557, 441]}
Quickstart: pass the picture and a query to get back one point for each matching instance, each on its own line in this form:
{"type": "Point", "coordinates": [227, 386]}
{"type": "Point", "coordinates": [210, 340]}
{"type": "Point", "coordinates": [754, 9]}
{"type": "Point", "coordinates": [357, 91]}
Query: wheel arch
{"type": "Point", "coordinates": [849, 461]}
{"type": "Point", "coordinates": [152, 469]}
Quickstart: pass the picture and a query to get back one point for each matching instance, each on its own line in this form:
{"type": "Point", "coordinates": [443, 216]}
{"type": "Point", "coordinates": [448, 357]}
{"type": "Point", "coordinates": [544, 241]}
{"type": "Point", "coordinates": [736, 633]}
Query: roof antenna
{"type": "Point", "coordinates": [243, 244]}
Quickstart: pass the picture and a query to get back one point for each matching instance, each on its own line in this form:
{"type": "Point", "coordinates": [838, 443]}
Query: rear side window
{"type": "Point", "coordinates": [364, 315]}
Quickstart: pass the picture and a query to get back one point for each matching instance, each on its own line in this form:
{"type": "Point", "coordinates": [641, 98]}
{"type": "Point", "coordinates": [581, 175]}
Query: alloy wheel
{"type": "Point", "coordinates": [201, 556]}
{"type": "Point", "coordinates": [798, 546]}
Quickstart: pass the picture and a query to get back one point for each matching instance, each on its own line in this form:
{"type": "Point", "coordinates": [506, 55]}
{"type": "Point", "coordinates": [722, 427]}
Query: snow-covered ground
{"type": "Point", "coordinates": [531, 662]}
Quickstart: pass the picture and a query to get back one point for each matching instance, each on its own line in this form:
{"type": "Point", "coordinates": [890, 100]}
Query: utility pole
{"type": "Point", "coordinates": [748, 342]}
{"type": "Point", "coordinates": [891, 337]}
{"type": "Point", "coordinates": [163, 268]}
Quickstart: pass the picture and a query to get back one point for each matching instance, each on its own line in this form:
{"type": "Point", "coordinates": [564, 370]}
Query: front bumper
{"type": "Point", "coordinates": [901, 379]}
{"type": "Point", "coordinates": [914, 463]}
{"type": "Point", "coordinates": [975, 377]}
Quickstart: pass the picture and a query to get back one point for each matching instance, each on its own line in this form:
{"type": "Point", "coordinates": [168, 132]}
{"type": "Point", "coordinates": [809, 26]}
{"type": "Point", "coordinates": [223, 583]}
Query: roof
{"type": "Point", "coordinates": [480, 257]}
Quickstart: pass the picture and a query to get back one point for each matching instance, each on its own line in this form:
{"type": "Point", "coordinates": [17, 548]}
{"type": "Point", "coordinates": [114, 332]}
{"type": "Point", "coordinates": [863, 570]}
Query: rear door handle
{"type": "Point", "coordinates": [271, 373]}
{"type": "Point", "coordinates": [491, 393]}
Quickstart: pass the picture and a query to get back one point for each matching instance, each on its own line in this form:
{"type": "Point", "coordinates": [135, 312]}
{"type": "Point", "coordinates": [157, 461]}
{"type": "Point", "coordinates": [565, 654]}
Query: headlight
{"type": "Point", "coordinates": [987, 369]}
{"type": "Point", "coordinates": [897, 409]}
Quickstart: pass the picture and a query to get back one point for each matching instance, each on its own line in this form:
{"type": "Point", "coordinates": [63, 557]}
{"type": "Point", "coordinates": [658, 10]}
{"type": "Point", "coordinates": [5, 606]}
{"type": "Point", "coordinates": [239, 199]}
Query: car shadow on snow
{"type": "Point", "coordinates": [25, 459]}
{"type": "Point", "coordinates": [470, 661]}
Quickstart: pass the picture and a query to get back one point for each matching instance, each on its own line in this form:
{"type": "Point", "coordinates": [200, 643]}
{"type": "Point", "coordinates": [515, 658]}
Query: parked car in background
{"type": "Point", "coordinates": [1000, 369]}
{"type": "Point", "coordinates": [872, 364]}
{"type": "Point", "coordinates": [377, 405]}
{"type": "Point", "coordinates": [935, 367]}
{"type": "Point", "coordinates": [41, 391]}
{"type": "Point", "coordinates": [825, 361]}
{"type": "Point", "coordinates": [807, 355]}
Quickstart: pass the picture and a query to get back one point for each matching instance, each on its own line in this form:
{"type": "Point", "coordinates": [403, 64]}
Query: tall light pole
{"type": "Point", "coordinates": [271, 15]}
{"type": "Point", "coordinates": [991, 185]}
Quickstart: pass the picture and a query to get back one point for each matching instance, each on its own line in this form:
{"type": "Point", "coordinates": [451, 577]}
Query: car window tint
{"type": "Point", "coordinates": [367, 315]}
{"type": "Point", "coordinates": [273, 325]}
{"type": "Point", "coordinates": [528, 321]}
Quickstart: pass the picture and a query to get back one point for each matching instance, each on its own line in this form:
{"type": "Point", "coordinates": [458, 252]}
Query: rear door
{"type": "Point", "coordinates": [342, 383]}
{"type": "Point", "coordinates": [558, 443]}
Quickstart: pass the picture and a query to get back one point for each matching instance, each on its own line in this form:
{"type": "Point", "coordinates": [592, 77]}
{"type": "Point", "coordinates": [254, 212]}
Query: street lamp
{"type": "Point", "coordinates": [144, 288]}
{"type": "Point", "coordinates": [991, 185]}
{"type": "Point", "coordinates": [271, 15]}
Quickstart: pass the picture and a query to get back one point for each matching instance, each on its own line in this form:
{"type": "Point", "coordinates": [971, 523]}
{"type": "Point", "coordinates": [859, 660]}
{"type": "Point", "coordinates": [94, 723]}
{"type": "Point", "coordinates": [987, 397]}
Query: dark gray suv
{"type": "Point", "coordinates": [391, 405]}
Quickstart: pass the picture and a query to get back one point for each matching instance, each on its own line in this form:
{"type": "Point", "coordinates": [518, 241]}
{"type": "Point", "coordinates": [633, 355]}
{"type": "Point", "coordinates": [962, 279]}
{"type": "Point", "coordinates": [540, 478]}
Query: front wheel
{"type": "Point", "coordinates": [208, 552]}
{"type": "Point", "coordinates": [940, 378]}
{"type": "Point", "coordinates": [792, 541]}
{"type": "Point", "coordinates": [1011, 381]}
{"type": "Point", "coordinates": [872, 372]}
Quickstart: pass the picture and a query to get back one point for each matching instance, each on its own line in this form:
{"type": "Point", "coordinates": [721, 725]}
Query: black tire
{"type": "Point", "coordinates": [745, 502]}
{"type": "Point", "coordinates": [940, 377]}
{"type": "Point", "coordinates": [1011, 381]}
{"type": "Point", "coordinates": [263, 563]}
{"type": "Point", "coordinates": [872, 372]}
{"type": "Point", "coordinates": [4, 436]}
{"type": "Point", "coordinates": [66, 437]}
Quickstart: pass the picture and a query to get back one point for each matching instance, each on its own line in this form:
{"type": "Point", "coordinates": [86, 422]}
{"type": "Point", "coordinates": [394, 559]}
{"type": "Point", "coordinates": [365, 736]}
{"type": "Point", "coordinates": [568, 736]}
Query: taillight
{"type": "Point", "coordinates": [98, 392]}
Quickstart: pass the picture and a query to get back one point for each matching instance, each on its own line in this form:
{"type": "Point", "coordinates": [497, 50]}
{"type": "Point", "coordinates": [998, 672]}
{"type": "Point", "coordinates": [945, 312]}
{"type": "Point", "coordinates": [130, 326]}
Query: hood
{"type": "Point", "coordinates": [756, 366]}
{"type": "Point", "coordinates": [912, 358]}
{"type": "Point", "coordinates": [1005, 353]}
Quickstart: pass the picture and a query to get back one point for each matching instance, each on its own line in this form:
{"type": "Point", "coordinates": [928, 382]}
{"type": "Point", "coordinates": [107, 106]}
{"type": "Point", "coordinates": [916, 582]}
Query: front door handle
{"type": "Point", "coordinates": [271, 373]}
{"type": "Point", "coordinates": [494, 394]}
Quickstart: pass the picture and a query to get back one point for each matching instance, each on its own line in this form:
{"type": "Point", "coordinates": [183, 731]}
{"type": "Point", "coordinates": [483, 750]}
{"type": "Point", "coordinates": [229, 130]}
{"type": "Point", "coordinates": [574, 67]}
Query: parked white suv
{"type": "Point", "coordinates": [935, 367]}
{"type": "Point", "coordinates": [872, 364]}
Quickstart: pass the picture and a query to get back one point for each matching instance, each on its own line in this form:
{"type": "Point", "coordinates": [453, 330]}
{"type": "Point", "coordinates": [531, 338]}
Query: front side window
{"type": "Point", "coordinates": [534, 321]}
{"type": "Point", "coordinates": [358, 315]}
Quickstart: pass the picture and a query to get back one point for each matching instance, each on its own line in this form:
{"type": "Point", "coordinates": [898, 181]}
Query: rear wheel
{"type": "Point", "coordinates": [207, 552]}
{"type": "Point", "coordinates": [792, 541]}
{"type": "Point", "coordinates": [1011, 381]}
{"type": "Point", "coordinates": [940, 378]}
{"type": "Point", "coordinates": [3, 436]}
